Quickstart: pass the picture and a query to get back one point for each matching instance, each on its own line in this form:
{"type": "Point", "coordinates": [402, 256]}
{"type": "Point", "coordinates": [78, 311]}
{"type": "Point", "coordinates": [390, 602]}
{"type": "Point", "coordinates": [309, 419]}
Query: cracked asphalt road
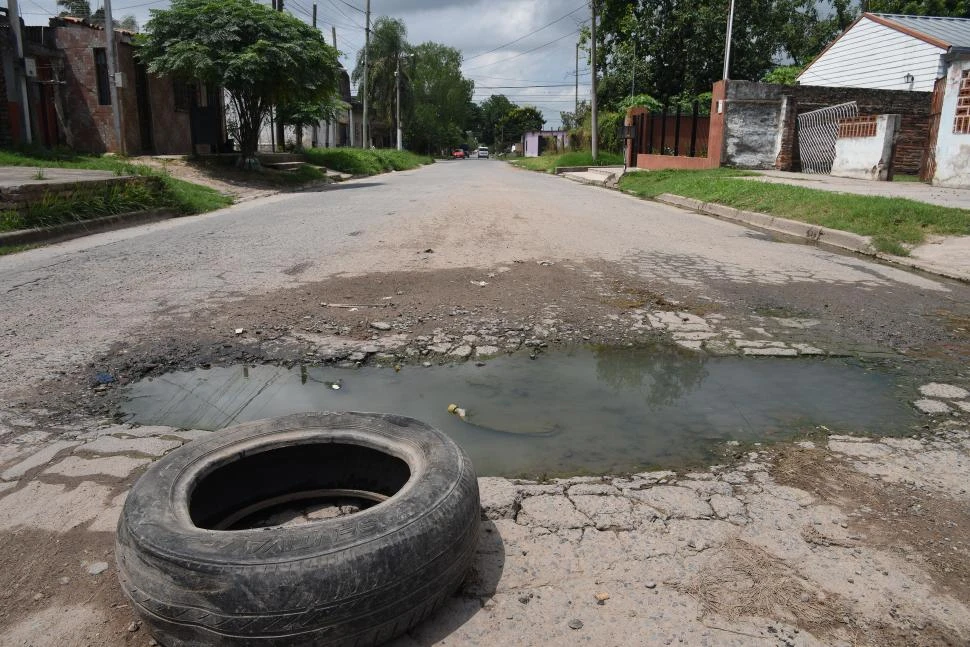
{"type": "Point", "coordinates": [579, 263]}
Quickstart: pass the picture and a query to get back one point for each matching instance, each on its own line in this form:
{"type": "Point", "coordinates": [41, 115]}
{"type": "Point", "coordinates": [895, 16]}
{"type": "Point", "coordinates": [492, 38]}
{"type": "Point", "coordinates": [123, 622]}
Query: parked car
{"type": "Point", "coordinates": [483, 152]}
{"type": "Point", "coordinates": [458, 154]}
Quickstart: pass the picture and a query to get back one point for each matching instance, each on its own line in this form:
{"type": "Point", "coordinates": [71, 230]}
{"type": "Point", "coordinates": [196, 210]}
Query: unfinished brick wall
{"type": "Point", "coordinates": [914, 107]}
{"type": "Point", "coordinates": [90, 124]}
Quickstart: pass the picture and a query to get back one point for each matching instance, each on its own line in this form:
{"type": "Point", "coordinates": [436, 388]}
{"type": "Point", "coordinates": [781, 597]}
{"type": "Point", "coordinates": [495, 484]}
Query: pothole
{"type": "Point", "coordinates": [581, 410]}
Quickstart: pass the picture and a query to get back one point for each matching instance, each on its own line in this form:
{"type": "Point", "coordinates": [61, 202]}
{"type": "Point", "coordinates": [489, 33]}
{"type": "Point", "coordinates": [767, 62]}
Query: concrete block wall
{"type": "Point", "coordinates": [913, 108]}
{"type": "Point", "coordinates": [752, 117]}
{"type": "Point", "coordinates": [952, 143]}
{"type": "Point", "coordinates": [864, 148]}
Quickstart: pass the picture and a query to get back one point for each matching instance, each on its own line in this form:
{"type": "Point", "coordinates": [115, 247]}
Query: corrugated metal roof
{"type": "Point", "coordinates": [954, 31]}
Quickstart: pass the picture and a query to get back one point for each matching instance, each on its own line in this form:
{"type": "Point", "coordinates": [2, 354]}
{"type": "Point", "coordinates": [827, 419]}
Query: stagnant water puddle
{"type": "Point", "coordinates": [581, 410]}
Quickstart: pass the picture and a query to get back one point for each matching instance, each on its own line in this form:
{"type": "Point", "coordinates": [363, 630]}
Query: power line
{"type": "Point", "coordinates": [529, 51]}
{"type": "Point", "coordinates": [353, 7]}
{"type": "Point", "coordinates": [512, 42]}
{"type": "Point", "coordinates": [342, 13]}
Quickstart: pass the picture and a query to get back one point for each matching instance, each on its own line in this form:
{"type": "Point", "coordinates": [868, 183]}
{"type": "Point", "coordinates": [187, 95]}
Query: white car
{"type": "Point", "coordinates": [483, 152]}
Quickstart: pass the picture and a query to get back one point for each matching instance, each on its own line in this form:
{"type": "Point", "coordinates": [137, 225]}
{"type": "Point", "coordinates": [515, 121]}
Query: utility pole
{"type": "Point", "coordinates": [576, 109]}
{"type": "Point", "coordinates": [594, 138]}
{"type": "Point", "coordinates": [315, 134]}
{"type": "Point", "coordinates": [332, 134]}
{"type": "Point", "coordinates": [109, 34]}
{"type": "Point", "coordinates": [280, 133]}
{"type": "Point", "coordinates": [727, 41]}
{"type": "Point", "coordinates": [366, 142]}
{"type": "Point", "coordinates": [13, 15]}
{"type": "Point", "coordinates": [397, 80]}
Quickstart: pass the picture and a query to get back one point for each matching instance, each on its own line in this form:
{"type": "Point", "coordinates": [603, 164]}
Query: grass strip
{"type": "Point", "coordinates": [893, 223]}
{"type": "Point", "coordinates": [184, 197]}
{"type": "Point", "coordinates": [358, 161]}
{"type": "Point", "coordinates": [548, 163]}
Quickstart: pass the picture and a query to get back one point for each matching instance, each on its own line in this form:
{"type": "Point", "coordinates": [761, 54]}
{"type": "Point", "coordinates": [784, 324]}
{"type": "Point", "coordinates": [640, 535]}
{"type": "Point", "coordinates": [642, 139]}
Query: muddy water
{"type": "Point", "coordinates": [583, 410]}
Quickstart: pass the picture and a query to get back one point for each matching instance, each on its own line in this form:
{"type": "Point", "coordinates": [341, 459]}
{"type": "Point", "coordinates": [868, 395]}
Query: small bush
{"type": "Point", "coordinates": [358, 161]}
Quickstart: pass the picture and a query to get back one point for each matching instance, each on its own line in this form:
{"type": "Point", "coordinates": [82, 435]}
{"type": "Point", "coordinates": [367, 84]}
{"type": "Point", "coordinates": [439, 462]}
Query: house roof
{"type": "Point", "coordinates": [940, 31]}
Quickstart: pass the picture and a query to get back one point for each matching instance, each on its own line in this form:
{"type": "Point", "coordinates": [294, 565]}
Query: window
{"type": "Point", "coordinates": [961, 124]}
{"type": "Point", "coordinates": [184, 95]}
{"type": "Point", "coordinates": [101, 75]}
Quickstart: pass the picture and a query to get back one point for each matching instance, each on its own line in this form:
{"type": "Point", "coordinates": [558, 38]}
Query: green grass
{"type": "Point", "coordinates": [903, 177]}
{"type": "Point", "coordinates": [893, 223]}
{"type": "Point", "coordinates": [548, 163]}
{"type": "Point", "coordinates": [13, 249]}
{"type": "Point", "coordinates": [185, 197]}
{"type": "Point", "coordinates": [357, 161]}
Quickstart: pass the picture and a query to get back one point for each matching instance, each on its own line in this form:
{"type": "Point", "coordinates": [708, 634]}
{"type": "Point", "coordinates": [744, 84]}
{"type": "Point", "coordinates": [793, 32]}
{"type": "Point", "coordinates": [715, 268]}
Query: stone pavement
{"type": "Point", "coordinates": [723, 556]}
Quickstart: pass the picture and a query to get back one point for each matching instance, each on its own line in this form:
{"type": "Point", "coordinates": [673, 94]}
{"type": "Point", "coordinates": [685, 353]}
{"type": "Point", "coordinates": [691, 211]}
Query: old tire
{"type": "Point", "coordinates": [354, 580]}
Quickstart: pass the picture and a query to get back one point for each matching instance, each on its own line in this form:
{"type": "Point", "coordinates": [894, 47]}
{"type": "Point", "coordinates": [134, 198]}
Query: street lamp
{"type": "Point", "coordinates": [397, 79]}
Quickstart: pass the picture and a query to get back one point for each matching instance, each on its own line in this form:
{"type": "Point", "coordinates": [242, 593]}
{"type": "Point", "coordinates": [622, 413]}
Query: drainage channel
{"type": "Point", "coordinates": [582, 410]}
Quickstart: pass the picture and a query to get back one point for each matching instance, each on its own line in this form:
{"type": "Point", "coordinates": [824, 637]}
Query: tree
{"type": "Point", "coordinates": [494, 110]}
{"type": "Point", "coordinates": [442, 97]}
{"type": "Point", "coordinates": [518, 122]}
{"type": "Point", "coordinates": [675, 48]}
{"type": "Point", "coordinates": [259, 56]}
{"type": "Point", "coordinates": [388, 47]}
{"type": "Point", "coordinates": [951, 8]}
{"type": "Point", "coordinates": [303, 114]}
{"type": "Point", "coordinates": [128, 23]}
{"type": "Point", "coordinates": [75, 8]}
{"type": "Point", "coordinates": [783, 74]}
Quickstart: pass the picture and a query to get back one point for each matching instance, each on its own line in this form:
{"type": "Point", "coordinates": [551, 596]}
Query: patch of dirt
{"type": "Point", "coordinates": [241, 185]}
{"type": "Point", "coordinates": [515, 298]}
{"type": "Point", "coordinates": [44, 581]}
{"type": "Point", "coordinates": [920, 526]}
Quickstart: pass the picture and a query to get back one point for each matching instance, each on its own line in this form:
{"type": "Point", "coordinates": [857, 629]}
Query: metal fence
{"type": "Point", "coordinates": [817, 132]}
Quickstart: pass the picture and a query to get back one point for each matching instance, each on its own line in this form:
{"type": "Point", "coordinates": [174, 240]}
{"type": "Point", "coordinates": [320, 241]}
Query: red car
{"type": "Point", "coordinates": [458, 154]}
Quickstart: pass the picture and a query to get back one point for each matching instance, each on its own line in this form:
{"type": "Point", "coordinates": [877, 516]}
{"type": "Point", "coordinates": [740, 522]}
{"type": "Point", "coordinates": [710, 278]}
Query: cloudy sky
{"type": "Point", "coordinates": [524, 49]}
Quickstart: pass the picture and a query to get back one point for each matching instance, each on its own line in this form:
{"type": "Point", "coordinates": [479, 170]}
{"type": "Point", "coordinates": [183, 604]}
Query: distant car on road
{"type": "Point", "coordinates": [483, 152]}
{"type": "Point", "coordinates": [458, 154]}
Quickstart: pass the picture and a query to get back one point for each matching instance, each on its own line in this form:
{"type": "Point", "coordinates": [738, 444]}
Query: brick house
{"type": "Point", "coordinates": [70, 101]}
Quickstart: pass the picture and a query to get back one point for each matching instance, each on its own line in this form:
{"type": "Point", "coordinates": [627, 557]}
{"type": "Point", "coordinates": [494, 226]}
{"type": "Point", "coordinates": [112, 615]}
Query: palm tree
{"type": "Point", "coordinates": [388, 47]}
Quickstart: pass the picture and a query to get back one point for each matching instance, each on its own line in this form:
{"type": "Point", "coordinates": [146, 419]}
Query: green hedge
{"type": "Point", "coordinates": [358, 161]}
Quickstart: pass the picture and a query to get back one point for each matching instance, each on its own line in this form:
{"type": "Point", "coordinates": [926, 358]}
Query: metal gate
{"type": "Point", "coordinates": [817, 132]}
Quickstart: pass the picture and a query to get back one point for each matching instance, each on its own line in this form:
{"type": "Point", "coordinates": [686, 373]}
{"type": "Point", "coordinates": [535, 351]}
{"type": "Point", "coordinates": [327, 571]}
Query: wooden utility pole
{"type": "Point", "coordinates": [364, 126]}
{"type": "Point", "coordinates": [13, 15]}
{"type": "Point", "coordinates": [594, 139]}
{"type": "Point", "coordinates": [111, 51]}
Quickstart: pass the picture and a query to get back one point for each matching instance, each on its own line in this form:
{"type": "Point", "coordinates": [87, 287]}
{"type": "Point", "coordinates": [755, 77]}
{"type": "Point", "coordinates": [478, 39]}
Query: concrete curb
{"type": "Point", "coordinates": [811, 233]}
{"type": "Point", "coordinates": [71, 230]}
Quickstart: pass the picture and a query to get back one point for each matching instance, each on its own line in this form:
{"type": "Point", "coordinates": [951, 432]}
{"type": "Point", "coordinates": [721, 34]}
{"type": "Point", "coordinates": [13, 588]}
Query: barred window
{"type": "Point", "coordinates": [184, 92]}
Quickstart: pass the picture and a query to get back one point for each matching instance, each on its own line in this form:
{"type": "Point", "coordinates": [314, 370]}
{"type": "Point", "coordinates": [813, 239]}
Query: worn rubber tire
{"type": "Point", "coordinates": [357, 580]}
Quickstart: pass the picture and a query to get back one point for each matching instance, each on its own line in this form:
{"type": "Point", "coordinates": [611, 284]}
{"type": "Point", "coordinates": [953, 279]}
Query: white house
{"type": "Point", "coordinates": [888, 52]}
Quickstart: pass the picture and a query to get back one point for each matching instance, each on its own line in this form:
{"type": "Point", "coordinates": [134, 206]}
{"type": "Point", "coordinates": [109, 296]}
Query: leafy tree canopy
{"type": "Point", "coordinates": [259, 56]}
{"type": "Point", "coordinates": [952, 8]}
{"type": "Point", "coordinates": [520, 121]}
{"type": "Point", "coordinates": [676, 48]}
{"type": "Point", "coordinates": [442, 97]}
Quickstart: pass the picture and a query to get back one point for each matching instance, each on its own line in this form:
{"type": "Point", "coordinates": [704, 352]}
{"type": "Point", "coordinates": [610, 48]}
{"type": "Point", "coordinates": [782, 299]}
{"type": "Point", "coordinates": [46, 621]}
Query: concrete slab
{"type": "Point", "coordinates": [13, 176]}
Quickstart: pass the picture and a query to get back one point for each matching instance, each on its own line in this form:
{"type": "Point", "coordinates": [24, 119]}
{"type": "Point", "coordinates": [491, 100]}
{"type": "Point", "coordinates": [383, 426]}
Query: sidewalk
{"type": "Point", "coordinates": [945, 197]}
{"type": "Point", "coordinates": [15, 176]}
